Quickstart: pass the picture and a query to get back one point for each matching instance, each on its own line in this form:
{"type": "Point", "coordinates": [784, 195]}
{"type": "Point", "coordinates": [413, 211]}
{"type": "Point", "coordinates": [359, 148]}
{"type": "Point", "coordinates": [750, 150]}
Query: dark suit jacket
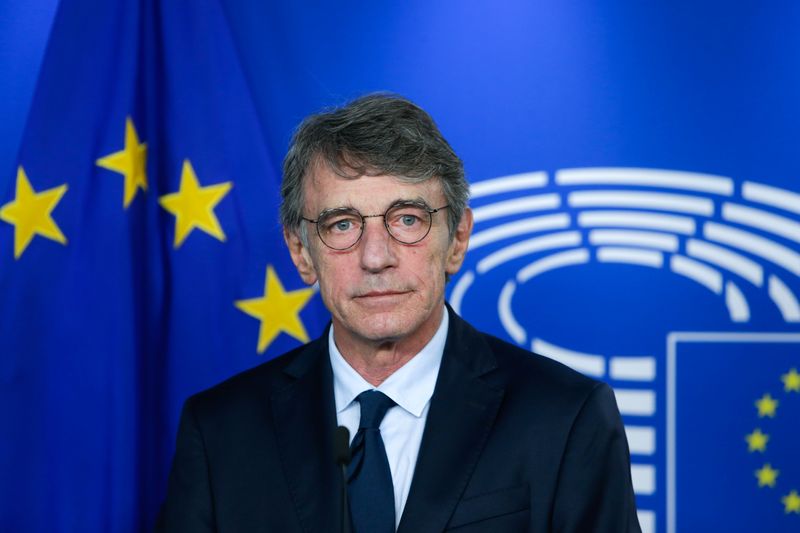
{"type": "Point", "coordinates": [513, 442]}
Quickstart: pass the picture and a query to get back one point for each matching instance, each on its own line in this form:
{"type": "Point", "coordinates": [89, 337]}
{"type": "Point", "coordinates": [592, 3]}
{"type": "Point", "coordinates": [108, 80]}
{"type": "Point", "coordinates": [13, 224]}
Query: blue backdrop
{"type": "Point", "coordinates": [635, 185]}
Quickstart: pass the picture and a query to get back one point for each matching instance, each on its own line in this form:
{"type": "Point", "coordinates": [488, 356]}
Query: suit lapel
{"type": "Point", "coordinates": [462, 412]}
{"type": "Point", "coordinates": [305, 416]}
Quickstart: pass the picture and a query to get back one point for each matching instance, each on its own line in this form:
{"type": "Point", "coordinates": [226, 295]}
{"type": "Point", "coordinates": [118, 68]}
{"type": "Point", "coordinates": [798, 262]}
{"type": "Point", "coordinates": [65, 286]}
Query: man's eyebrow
{"type": "Point", "coordinates": [329, 210]}
{"type": "Point", "coordinates": [419, 200]}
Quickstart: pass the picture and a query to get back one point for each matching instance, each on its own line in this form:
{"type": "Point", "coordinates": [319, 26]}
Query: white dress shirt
{"type": "Point", "coordinates": [411, 388]}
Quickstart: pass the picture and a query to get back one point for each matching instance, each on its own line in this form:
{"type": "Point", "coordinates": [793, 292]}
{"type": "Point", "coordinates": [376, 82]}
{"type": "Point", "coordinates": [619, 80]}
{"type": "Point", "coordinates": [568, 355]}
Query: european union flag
{"type": "Point", "coordinates": [141, 259]}
{"type": "Point", "coordinates": [734, 439]}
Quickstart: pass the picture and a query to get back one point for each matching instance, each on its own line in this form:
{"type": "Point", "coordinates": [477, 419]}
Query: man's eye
{"type": "Point", "coordinates": [340, 225]}
{"type": "Point", "coordinates": [409, 220]}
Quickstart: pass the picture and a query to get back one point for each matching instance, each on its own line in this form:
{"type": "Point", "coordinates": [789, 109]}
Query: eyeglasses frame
{"type": "Point", "coordinates": [429, 210]}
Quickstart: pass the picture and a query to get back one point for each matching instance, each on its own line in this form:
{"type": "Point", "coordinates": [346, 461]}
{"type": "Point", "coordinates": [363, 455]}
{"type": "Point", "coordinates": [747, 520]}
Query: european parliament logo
{"type": "Point", "coordinates": [680, 290]}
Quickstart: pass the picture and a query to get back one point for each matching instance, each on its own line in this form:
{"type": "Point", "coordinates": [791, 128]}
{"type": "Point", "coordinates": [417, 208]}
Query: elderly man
{"type": "Point", "coordinates": [452, 429]}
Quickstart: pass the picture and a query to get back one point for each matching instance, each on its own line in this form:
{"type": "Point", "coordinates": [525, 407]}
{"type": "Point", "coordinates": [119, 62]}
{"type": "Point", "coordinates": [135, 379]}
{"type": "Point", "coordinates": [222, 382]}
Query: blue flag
{"type": "Point", "coordinates": [141, 260]}
{"type": "Point", "coordinates": [733, 463]}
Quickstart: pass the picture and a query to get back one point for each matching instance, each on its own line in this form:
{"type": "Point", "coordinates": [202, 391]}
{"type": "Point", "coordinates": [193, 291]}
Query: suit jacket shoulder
{"type": "Point", "coordinates": [535, 372]}
{"type": "Point", "coordinates": [542, 387]}
{"type": "Point", "coordinates": [253, 453]}
{"type": "Point", "coordinates": [258, 381]}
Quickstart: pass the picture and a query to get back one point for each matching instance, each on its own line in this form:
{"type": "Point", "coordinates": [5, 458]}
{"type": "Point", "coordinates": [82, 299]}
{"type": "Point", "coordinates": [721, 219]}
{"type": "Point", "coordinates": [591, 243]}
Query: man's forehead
{"type": "Point", "coordinates": [326, 189]}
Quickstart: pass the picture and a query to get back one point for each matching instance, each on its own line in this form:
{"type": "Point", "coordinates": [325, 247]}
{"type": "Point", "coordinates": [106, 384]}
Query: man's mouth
{"type": "Point", "coordinates": [378, 294]}
{"type": "Point", "coordinates": [381, 295]}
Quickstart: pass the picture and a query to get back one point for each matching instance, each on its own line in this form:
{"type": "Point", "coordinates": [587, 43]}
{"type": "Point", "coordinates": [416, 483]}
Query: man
{"type": "Point", "coordinates": [452, 429]}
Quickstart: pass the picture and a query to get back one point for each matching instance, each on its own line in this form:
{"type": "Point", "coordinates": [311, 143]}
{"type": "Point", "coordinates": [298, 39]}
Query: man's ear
{"type": "Point", "coordinates": [300, 257]}
{"type": "Point", "coordinates": [460, 242]}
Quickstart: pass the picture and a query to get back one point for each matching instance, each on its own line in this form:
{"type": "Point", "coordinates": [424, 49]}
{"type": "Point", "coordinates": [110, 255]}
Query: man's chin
{"type": "Point", "coordinates": [380, 328]}
{"type": "Point", "coordinates": [382, 335]}
{"type": "Point", "coordinates": [396, 324]}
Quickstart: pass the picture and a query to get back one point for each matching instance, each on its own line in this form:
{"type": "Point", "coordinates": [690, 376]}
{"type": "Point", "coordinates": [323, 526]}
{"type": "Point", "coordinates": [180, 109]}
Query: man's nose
{"type": "Point", "coordinates": [377, 247]}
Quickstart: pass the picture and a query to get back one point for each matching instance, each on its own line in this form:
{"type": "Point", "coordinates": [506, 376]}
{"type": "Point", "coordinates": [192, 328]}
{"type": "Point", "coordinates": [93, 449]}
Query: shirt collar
{"type": "Point", "coordinates": [411, 386]}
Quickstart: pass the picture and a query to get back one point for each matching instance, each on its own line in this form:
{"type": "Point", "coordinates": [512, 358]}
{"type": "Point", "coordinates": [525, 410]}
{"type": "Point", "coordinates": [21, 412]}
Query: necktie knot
{"type": "Point", "coordinates": [374, 405]}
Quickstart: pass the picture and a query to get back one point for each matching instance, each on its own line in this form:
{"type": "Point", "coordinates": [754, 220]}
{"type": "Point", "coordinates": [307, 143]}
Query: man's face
{"type": "Point", "coordinates": [379, 290]}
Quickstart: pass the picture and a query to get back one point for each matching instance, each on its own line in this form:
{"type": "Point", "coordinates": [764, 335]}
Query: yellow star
{"type": "Point", "coordinates": [757, 441]}
{"type": "Point", "coordinates": [193, 205]}
{"type": "Point", "coordinates": [29, 213]}
{"type": "Point", "coordinates": [131, 162]}
{"type": "Point", "coordinates": [767, 405]}
{"type": "Point", "coordinates": [767, 475]}
{"type": "Point", "coordinates": [277, 310]}
{"type": "Point", "coordinates": [791, 381]}
{"type": "Point", "coordinates": [791, 503]}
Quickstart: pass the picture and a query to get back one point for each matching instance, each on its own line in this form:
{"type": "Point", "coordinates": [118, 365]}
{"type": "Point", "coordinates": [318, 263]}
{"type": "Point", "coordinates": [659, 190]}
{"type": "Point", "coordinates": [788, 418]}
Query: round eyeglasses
{"type": "Point", "coordinates": [406, 222]}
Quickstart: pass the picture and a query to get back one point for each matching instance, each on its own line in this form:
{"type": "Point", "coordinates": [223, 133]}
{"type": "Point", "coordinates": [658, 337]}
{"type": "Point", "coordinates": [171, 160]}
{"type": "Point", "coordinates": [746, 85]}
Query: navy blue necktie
{"type": "Point", "coordinates": [369, 480]}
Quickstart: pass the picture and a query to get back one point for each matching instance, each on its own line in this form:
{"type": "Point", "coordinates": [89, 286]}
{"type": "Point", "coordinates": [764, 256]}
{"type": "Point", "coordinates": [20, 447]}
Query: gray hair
{"type": "Point", "coordinates": [373, 135]}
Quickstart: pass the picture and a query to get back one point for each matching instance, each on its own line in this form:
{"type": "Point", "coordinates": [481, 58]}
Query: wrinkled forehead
{"type": "Point", "coordinates": [370, 194]}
